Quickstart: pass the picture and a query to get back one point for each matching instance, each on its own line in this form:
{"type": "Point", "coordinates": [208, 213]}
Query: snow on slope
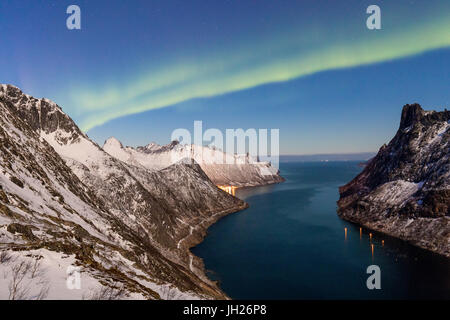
{"type": "Point", "coordinates": [222, 168]}
{"type": "Point", "coordinates": [404, 190]}
{"type": "Point", "coordinates": [48, 279]}
{"type": "Point", "coordinates": [44, 206]}
{"type": "Point", "coordinates": [84, 200]}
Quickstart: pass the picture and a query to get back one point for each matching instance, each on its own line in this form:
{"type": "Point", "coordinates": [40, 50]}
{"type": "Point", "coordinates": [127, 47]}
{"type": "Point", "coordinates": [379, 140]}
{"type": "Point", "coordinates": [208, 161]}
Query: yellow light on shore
{"type": "Point", "coordinates": [382, 243]}
{"type": "Point", "coordinates": [229, 189]}
{"type": "Point", "coordinates": [345, 233]}
{"type": "Point", "coordinates": [370, 236]}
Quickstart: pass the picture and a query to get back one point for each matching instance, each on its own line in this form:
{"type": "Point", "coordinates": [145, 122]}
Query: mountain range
{"type": "Point", "coordinates": [124, 217]}
{"type": "Point", "coordinates": [222, 168]}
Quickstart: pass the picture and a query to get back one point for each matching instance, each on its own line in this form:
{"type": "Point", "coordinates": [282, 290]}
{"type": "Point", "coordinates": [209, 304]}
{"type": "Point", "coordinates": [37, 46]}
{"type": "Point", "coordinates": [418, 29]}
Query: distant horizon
{"type": "Point", "coordinates": [205, 145]}
{"type": "Point", "coordinates": [342, 156]}
{"type": "Point", "coordinates": [328, 154]}
{"type": "Point", "coordinates": [336, 157]}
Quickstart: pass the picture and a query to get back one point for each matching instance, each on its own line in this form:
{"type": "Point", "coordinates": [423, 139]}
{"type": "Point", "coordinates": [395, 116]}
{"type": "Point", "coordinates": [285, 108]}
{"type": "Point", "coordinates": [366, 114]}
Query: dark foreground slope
{"type": "Point", "coordinates": [404, 190]}
{"type": "Point", "coordinates": [64, 201]}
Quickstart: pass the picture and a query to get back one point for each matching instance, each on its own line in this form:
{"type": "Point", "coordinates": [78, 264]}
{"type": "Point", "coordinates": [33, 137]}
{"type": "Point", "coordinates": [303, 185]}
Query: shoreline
{"type": "Point", "coordinates": [196, 264]}
{"type": "Point", "coordinates": [197, 236]}
{"type": "Point", "coordinates": [397, 233]}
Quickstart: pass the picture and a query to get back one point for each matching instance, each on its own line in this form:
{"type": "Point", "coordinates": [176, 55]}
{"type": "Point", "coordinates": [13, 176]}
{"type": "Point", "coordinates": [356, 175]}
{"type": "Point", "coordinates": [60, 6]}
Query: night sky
{"type": "Point", "coordinates": [139, 69]}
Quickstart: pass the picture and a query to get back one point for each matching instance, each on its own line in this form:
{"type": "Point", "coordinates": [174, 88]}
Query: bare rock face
{"type": "Point", "coordinates": [404, 190]}
{"type": "Point", "coordinates": [39, 114]}
{"type": "Point", "coordinates": [63, 198]}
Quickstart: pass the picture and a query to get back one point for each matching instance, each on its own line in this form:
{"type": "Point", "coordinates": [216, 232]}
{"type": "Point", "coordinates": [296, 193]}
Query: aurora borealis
{"type": "Point", "coordinates": [131, 59]}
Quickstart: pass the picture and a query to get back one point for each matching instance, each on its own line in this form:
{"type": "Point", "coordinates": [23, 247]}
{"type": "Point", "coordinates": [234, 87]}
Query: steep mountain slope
{"type": "Point", "coordinates": [222, 168]}
{"type": "Point", "coordinates": [124, 224]}
{"type": "Point", "coordinates": [405, 190]}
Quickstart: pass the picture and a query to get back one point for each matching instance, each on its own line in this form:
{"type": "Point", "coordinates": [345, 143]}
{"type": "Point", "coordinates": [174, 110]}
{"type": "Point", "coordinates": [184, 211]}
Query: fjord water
{"type": "Point", "coordinates": [290, 244]}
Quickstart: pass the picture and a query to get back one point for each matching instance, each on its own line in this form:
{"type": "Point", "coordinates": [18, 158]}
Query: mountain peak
{"type": "Point", "coordinates": [113, 142]}
{"type": "Point", "coordinates": [404, 190]}
{"type": "Point", "coordinates": [152, 146]}
{"type": "Point", "coordinates": [411, 114]}
{"type": "Point", "coordinates": [9, 87]}
{"type": "Point", "coordinates": [40, 114]}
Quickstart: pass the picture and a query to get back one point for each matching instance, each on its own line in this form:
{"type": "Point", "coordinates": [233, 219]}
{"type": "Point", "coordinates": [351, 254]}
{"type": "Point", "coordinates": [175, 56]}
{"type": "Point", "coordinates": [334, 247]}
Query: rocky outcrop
{"type": "Point", "coordinates": [124, 224]}
{"type": "Point", "coordinates": [404, 190]}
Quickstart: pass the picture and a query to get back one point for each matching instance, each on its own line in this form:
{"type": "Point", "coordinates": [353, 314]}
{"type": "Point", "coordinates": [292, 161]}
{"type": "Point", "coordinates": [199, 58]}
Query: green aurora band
{"type": "Point", "coordinates": [276, 59]}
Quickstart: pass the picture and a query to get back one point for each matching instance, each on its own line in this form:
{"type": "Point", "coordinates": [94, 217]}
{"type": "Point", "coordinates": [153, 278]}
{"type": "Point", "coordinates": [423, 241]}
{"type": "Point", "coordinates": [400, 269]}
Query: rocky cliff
{"type": "Point", "coordinates": [222, 168]}
{"type": "Point", "coordinates": [404, 191]}
{"type": "Point", "coordinates": [66, 202]}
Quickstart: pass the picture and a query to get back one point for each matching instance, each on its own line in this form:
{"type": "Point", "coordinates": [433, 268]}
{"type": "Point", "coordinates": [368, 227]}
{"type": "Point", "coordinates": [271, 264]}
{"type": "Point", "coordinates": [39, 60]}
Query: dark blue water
{"type": "Point", "coordinates": [290, 244]}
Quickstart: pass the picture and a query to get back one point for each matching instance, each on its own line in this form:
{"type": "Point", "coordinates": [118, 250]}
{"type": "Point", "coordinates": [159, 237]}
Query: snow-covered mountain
{"type": "Point", "coordinates": [66, 202]}
{"type": "Point", "coordinates": [222, 168]}
{"type": "Point", "coordinates": [404, 190]}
